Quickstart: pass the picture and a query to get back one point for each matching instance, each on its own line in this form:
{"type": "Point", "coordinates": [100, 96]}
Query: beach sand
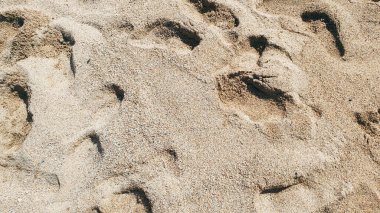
{"type": "Point", "coordinates": [190, 106]}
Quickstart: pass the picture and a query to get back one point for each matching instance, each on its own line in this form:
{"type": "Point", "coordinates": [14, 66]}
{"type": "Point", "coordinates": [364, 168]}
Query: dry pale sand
{"type": "Point", "coordinates": [190, 106]}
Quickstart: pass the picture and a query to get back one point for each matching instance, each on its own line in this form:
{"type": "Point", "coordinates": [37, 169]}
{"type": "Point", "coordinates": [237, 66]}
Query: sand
{"type": "Point", "coordinates": [189, 106]}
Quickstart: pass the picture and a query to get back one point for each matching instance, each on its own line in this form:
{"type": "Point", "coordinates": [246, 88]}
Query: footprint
{"type": "Point", "coordinates": [9, 27]}
{"type": "Point", "coordinates": [27, 184]}
{"type": "Point", "coordinates": [251, 94]}
{"type": "Point", "coordinates": [364, 199]}
{"type": "Point", "coordinates": [15, 115]}
{"type": "Point", "coordinates": [326, 30]}
{"type": "Point", "coordinates": [44, 51]}
{"type": "Point", "coordinates": [172, 33]}
{"type": "Point", "coordinates": [216, 13]}
{"type": "Point", "coordinates": [328, 21]}
{"type": "Point", "coordinates": [270, 189]}
{"type": "Point", "coordinates": [33, 36]}
{"type": "Point", "coordinates": [91, 142]}
{"type": "Point", "coordinates": [266, 83]}
{"type": "Point", "coordinates": [118, 91]}
{"type": "Point", "coordinates": [370, 123]}
{"type": "Point", "coordinates": [21, 172]}
{"type": "Point", "coordinates": [131, 200]}
{"type": "Point", "coordinates": [308, 195]}
{"type": "Point", "coordinates": [54, 82]}
{"type": "Point", "coordinates": [79, 42]}
{"type": "Point", "coordinates": [82, 161]}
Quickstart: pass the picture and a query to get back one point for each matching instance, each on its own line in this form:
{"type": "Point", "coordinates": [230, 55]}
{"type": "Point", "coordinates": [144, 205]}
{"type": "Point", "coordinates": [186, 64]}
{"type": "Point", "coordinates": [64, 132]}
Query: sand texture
{"type": "Point", "coordinates": [155, 106]}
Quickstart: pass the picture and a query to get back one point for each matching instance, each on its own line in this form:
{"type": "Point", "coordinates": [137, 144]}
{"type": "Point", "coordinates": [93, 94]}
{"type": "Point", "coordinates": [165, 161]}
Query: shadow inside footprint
{"type": "Point", "coordinates": [320, 20]}
{"type": "Point", "coordinates": [141, 198]}
{"type": "Point", "coordinates": [369, 121]}
{"type": "Point", "coordinates": [274, 189]}
{"type": "Point", "coordinates": [68, 38]}
{"type": "Point", "coordinates": [118, 91]}
{"type": "Point", "coordinates": [260, 43]}
{"type": "Point", "coordinates": [24, 96]}
{"type": "Point", "coordinates": [15, 21]}
{"type": "Point", "coordinates": [96, 141]}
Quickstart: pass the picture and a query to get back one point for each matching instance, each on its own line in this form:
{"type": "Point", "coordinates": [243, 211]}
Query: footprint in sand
{"type": "Point", "coordinates": [370, 123]}
{"type": "Point", "coordinates": [263, 83]}
{"type": "Point", "coordinates": [131, 200]}
{"type": "Point", "coordinates": [166, 33]}
{"type": "Point", "coordinates": [15, 116]}
{"type": "Point", "coordinates": [331, 25]}
{"type": "Point", "coordinates": [9, 27]}
{"type": "Point", "coordinates": [45, 52]}
{"type": "Point", "coordinates": [263, 77]}
{"type": "Point", "coordinates": [28, 185]}
{"type": "Point", "coordinates": [216, 13]}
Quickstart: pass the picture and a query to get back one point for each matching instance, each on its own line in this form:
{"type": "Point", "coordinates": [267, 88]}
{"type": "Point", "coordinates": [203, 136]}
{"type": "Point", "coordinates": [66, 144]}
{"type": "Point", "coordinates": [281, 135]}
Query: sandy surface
{"type": "Point", "coordinates": [189, 106]}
